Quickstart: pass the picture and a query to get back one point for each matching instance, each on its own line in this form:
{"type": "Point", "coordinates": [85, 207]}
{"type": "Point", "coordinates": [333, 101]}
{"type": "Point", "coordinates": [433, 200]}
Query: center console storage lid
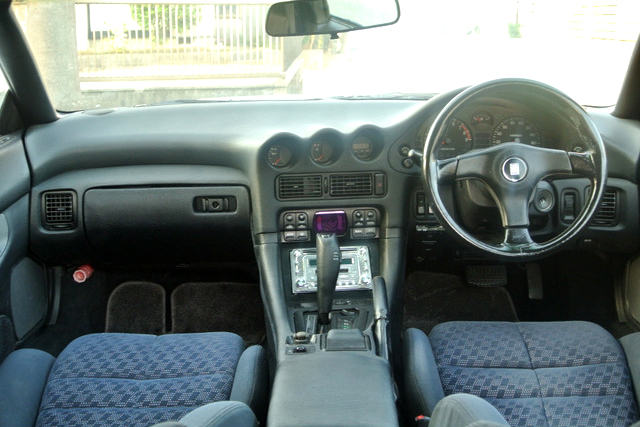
{"type": "Point", "coordinates": [333, 389]}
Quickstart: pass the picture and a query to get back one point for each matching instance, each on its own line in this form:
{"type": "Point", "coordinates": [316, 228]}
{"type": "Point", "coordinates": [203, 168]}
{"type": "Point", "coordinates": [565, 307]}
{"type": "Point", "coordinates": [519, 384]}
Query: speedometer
{"type": "Point", "coordinates": [516, 129]}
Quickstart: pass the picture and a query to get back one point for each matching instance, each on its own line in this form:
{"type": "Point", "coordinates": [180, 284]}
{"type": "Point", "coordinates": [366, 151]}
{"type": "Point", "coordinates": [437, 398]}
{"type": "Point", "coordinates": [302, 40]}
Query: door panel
{"type": "Point", "coordinates": [23, 288]}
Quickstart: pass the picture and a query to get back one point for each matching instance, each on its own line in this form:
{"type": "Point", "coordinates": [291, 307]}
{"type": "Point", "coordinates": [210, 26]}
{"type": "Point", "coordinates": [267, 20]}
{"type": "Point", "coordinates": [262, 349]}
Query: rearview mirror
{"type": "Point", "coordinates": [308, 17]}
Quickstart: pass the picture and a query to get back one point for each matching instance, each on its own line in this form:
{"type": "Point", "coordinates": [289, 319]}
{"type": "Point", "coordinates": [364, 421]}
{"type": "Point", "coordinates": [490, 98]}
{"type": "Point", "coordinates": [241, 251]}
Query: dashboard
{"type": "Point", "coordinates": [201, 167]}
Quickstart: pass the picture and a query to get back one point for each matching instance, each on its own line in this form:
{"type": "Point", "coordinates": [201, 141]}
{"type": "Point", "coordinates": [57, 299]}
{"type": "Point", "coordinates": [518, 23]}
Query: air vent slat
{"type": "Point", "coordinates": [351, 185]}
{"type": "Point", "coordinates": [299, 186]}
{"type": "Point", "coordinates": [606, 216]}
{"type": "Point", "coordinates": [58, 210]}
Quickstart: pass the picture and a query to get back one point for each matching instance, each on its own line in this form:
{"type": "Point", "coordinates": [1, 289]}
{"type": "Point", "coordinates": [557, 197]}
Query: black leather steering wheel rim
{"type": "Point", "coordinates": [484, 165]}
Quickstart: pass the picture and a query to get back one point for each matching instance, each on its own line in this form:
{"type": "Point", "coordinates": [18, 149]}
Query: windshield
{"type": "Point", "coordinates": [98, 54]}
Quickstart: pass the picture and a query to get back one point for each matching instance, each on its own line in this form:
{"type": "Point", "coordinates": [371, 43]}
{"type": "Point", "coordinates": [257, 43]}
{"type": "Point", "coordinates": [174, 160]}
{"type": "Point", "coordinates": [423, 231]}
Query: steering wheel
{"type": "Point", "coordinates": [512, 170]}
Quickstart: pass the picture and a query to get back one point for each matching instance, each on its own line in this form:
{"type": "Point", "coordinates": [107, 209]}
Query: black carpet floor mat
{"type": "Point", "coordinates": [207, 307]}
{"type": "Point", "coordinates": [432, 298]}
{"type": "Point", "coordinates": [137, 307]}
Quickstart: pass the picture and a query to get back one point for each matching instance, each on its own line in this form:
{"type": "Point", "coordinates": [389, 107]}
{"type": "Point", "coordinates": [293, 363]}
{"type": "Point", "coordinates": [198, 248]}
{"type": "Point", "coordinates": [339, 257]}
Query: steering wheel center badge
{"type": "Point", "coordinates": [514, 169]}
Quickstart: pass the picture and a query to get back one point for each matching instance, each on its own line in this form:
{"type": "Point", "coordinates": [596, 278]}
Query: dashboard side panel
{"type": "Point", "coordinates": [14, 170]}
{"type": "Point", "coordinates": [14, 229]}
{"type": "Point", "coordinates": [621, 138]}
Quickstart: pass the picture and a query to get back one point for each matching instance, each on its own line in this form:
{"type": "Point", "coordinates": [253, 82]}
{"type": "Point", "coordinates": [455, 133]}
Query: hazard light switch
{"type": "Point", "coordinates": [379, 184]}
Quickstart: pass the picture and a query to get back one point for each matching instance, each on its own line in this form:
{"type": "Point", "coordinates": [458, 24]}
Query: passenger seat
{"type": "Point", "coordinates": [134, 380]}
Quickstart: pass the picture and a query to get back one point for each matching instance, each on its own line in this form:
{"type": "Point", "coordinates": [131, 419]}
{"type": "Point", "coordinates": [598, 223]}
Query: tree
{"type": "Point", "coordinates": [514, 30]}
{"type": "Point", "coordinates": [169, 20]}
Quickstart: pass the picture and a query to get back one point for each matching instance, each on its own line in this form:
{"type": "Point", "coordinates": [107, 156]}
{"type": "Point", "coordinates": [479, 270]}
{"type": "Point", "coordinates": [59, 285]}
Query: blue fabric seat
{"type": "Point", "coordinates": [139, 380]}
{"type": "Point", "coordinates": [534, 374]}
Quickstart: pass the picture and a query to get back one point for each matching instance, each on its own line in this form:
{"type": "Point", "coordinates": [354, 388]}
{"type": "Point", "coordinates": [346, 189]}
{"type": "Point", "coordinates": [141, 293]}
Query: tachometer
{"type": "Point", "coordinates": [458, 140]}
{"type": "Point", "coordinates": [516, 129]}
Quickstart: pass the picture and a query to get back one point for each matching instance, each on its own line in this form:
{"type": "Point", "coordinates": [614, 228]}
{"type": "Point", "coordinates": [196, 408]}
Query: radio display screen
{"type": "Point", "coordinates": [344, 261]}
{"type": "Point", "coordinates": [330, 222]}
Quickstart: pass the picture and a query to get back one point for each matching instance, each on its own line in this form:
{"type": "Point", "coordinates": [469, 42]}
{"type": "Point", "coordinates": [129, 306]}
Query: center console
{"type": "Point", "coordinates": [333, 365]}
{"type": "Point", "coordinates": [333, 389]}
{"type": "Point", "coordinates": [356, 231]}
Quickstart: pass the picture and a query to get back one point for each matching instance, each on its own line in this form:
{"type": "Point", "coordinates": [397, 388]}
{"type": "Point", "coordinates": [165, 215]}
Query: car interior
{"type": "Point", "coordinates": [463, 258]}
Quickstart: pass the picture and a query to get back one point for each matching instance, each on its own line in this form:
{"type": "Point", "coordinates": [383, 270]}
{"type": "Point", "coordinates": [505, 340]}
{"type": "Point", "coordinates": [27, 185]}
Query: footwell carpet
{"type": "Point", "coordinates": [137, 307]}
{"type": "Point", "coordinates": [231, 307]}
{"type": "Point", "coordinates": [432, 298]}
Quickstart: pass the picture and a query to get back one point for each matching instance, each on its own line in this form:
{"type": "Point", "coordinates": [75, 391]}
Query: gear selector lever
{"type": "Point", "coordinates": [328, 268]}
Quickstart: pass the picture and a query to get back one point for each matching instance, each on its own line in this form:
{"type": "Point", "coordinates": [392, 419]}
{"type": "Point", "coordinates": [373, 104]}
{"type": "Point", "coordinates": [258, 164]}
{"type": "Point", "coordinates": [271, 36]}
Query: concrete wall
{"type": "Point", "coordinates": [54, 47]}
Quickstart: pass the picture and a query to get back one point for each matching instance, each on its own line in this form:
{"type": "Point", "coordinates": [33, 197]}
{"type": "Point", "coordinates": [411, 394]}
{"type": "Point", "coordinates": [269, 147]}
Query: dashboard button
{"type": "Point", "coordinates": [357, 233]}
{"type": "Point", "coordinates": [370, 232]}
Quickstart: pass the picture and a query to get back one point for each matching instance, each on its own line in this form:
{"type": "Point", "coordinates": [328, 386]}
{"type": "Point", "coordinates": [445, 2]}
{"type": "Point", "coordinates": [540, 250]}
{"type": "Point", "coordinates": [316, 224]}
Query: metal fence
{"type": "Point", "coordinates": [614, 21]}
{"type": "Point", "coordinates": [163, 41]}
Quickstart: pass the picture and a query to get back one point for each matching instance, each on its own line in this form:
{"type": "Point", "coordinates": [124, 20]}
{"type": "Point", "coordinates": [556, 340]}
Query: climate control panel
{"type": "Point", "coordinates": [355, 269]}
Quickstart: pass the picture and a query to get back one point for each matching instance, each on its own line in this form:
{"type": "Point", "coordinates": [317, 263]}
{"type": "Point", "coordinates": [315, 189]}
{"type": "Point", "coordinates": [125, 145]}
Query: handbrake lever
{"type": "Point", "coordinates": [380, 315]}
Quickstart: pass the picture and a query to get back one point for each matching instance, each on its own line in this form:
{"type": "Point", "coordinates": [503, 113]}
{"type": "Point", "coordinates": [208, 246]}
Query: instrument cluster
{"type": "Point", "coordinates": [483, 129]}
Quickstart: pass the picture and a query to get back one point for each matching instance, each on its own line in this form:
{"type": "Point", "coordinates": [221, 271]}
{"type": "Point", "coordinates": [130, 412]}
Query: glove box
{"type": "Point", "coordinates": [176, 225]}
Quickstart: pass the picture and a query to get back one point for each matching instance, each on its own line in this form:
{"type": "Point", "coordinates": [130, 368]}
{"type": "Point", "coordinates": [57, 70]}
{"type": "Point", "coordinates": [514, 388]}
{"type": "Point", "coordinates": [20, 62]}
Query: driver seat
{"type": "Point", "coordinates": [534, 374]}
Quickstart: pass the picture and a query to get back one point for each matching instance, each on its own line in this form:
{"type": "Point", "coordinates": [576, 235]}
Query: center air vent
{"type": "Point", "coordinates": [299, 186]}
{"type": "Point", "coordinates": [606, 216]}
{"type": "Point", "coordinates": [58, 210]}
{"type": "Point", "coordinates": [351, 185]}
{"type": "Point", "coordinates": [330, 185]}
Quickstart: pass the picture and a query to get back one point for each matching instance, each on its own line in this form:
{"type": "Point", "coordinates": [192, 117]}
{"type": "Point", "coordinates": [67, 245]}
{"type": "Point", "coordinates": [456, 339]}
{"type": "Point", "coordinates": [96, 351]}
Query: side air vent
{"type": "Point", "coordinates": [299, 186]}
{"type": "Point", "coordinates": [351, 185]}
{"type": "Point", "coordinates": [607, 213]}
{"type": "Point", "coordinates": [58, 210]}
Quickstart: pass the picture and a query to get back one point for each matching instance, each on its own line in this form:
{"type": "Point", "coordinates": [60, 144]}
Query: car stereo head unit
{"type": "Point", "coordinates": [355, 269]}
